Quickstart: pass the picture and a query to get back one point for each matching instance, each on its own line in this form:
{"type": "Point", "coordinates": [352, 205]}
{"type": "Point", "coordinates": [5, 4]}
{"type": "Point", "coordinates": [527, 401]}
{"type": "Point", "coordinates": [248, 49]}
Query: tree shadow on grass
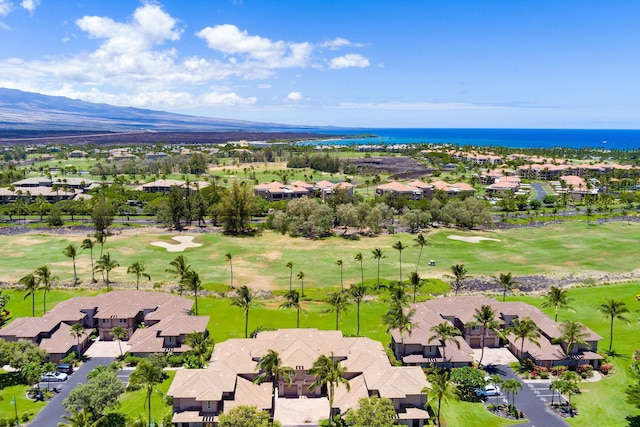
{"type": "Point", "coordinates": [613, 353]}
{"type": "Point", "coordinates": [634, 421]}
{"type": "Point", "coordinates": [9, 379]}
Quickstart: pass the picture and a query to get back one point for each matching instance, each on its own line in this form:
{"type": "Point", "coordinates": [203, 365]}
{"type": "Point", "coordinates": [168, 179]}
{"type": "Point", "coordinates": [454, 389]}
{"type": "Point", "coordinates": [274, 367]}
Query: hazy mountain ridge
{"type": "Point", "coordinates": [28, 110]}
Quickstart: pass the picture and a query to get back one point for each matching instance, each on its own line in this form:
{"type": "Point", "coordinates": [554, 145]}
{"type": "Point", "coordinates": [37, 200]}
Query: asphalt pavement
{"type": "Point", "coordinates": [531, 400]}
{"type": "Point", "coordinates": [540, 192]}
{"type": "Point", "coordinates": [51, 414]}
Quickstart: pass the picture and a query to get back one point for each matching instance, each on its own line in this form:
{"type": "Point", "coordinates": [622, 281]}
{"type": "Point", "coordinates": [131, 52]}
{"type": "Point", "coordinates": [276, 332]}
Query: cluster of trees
{"type": "Point", "coordinates": [320, 162]}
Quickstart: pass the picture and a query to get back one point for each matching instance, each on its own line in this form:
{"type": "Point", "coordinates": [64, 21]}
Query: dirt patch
{"type": "Point", "coordinates": [471, 239]}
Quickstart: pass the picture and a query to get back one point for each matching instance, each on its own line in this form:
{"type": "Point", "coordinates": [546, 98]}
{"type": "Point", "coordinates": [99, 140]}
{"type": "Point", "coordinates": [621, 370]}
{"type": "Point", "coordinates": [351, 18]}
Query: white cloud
{"type": "Point", "coordinates": [350, 60]}
{"type": "Point", "coordinates": [30, 5]}
{"type": "Point", "coordinates": [294, 96]}
{"type": "Point", "coordinates": [5, 7]}
{"type": "Point", "coordinates": [229, 98]}
{"type": "Point", "coordinates": [229, 40]}
{"type": "Point", "coordinates": [337, 43]}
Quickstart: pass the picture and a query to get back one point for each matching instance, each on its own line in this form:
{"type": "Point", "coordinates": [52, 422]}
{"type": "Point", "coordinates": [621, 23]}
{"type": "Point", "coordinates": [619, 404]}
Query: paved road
{"type": "Point", "coordinates": [53, 412]}
{"type": "Point", "coordinates": [540, 193]}
{"type": "Point", "coordinates": [531, 399]}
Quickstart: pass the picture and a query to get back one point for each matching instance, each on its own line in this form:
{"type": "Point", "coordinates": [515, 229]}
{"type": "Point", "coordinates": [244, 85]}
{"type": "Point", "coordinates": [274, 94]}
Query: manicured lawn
{"type": "Point", "coordinates": [603, 401]}
{"type": "Point", "coordinates": [467, 414]}
{"type": "Point", "coordinates": [10, 390]}
{"type": "Point", "coordinates": [133, 403]}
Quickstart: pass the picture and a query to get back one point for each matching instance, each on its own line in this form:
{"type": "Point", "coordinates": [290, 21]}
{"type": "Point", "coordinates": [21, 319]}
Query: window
{"type": "Point", "coordinates": [122, 321]}
{"type": "Point", "coordinates": [106, 321]}
{"type": "Point", "coordinates": [475, 328]}
{"type": "Point", "coordinates": [208, 404]}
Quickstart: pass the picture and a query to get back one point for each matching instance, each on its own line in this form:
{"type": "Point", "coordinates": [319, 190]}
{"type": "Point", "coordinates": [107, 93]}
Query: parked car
{"type": "Point", "coordinates": [488, 390]}
{"type": "Point", "coordinates": [65, 368]}
{"type": "Point", "coordinates": [53, 377]}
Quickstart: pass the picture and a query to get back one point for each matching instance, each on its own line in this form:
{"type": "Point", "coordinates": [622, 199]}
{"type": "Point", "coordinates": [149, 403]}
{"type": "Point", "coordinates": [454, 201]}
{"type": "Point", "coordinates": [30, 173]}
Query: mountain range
{"type": "Point", "coordinates": [33, 111]}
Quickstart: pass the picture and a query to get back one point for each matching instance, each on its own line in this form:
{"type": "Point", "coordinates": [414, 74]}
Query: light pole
{"type": "Point", "coordinates": [15, 405]}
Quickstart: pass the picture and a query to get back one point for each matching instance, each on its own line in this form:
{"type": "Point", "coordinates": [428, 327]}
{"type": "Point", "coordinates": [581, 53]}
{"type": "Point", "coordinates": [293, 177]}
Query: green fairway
{"type": "Point", "coordinates": [260, 262]}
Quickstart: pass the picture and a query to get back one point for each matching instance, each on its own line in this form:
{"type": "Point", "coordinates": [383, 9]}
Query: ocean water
{"type": "Point", "coordinates": [514, 138]}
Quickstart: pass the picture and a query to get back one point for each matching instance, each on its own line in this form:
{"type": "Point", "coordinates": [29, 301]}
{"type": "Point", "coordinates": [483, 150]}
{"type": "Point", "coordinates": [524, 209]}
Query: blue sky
{"type": "Point", "coordinates": [364, 63]}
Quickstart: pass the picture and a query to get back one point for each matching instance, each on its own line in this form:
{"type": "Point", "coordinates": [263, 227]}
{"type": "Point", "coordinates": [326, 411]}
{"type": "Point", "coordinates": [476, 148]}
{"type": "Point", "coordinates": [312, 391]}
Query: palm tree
{"type": "Point", "coordinates": [496, 379]}
{"type": "Point", "coordinates": [458, 275]}
{"type": "Point", "coordinates": [422, 242]}
{"type": "Point", "coordinates": [293, 301]}
{"type": "Point", "coordinates": [201, 344]}
{"type": "Point", "coordinates": [245, 300]}
{"type": "Point", "coordinates": [507, 283]}
{"type": "Point", "coordinates": [400, 247]}
{"type": "Point", "coordinates": [101, 237]}
{"type": "Point", "coordinates": [512, 386]}
{"type": "Point", "coordinates": [558, 299]}
{"type": "Point", "coordinates": [147, 375]}
{"type": "Point", "coordinates": [525, 329]}
{"type": "Point", "coordinates": [71, 251]}
{"type": "Point", "coordinates": [270, 367]}
{"type": "Point", "coordinates": [415, 282]}
{"type": "Point", "coordinates": [82, 418]}
{"type": "Point", "coordinates": [573, 333]}
{"type": "Point", "coordinates": [90, 244]}
{"type": "Point", "coordinates": [119, 333]}
{"type": "Point", "coordinates": [358, 292]}
{"type": "Point", "coordinates": [45, 280]}
{"type": "Point", "coordinates": [31, 286]}
{"type": "Point", "coordinates": [328, 372]}
{"type": "Point", "coordinates": [339, 263]}
{"type": "Point", "coordinates": [399, 318]}
{"type": "Point", "coordinates": [77, 331]}
{"type": "Point", "coordinates": [338, 303]}
{"type": "Point", "coordinates": [378, 255]}
{"type": "Point", "coordinates": [229, 258]}
{"type": "Point", "coordinates": [180, 268]}
{"type": "Point", "coordinates": [289, 265]}
{"type": "Point", "coordinates": [613, 310]}
{"type": "Point", "coordinates": [444, 332]}
{"type": "Point", "coordinates": [191, 281]}
{"type": "Point", "coordinates": [441, 388]}
{"type": "Point", "coordinates": [138, 268]}
{"type": "Point", "coordinates": [398, 295]}
{"type": "Point", "coordinates": [485, 316]}
{"type": "Point", "coordinates": [300, 276]}
{"type": "Point", "coordinates": [105, 264]}
{"type": "Point", "coordinates": [358, 257]}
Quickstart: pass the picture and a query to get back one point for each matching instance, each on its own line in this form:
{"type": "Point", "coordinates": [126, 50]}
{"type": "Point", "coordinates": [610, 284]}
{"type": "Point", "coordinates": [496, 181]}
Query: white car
{"type": "Point", "coordinates": [488, 390]}
{"type": "Point", "coordinates": [53, 377]}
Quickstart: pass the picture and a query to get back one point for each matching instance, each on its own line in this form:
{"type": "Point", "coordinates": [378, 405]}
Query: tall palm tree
{"type": "Point", "coordinates": [180, 268]}
{"type": "Point", "coordinates": [358, 292]}
{"type": "Point", "coordinates": [358, 257]}
{"type": "Point", "coordinates": [399, 246]}
{"type": "Point", "coordinates": [119, 333]}
{"type": "Point", "coordinates": [558, 299]}
{"type": "Point", "coordinates": [378, 255]}
{"type": "Point", "coordinates": [101, 237]}
{"type": "Point", "coordinates": [573, 333]}
{"type": "Point", "coordinates": [138, 268]}
{"type": "Point", "coordinates": [191, 281]}
{"type": "Point", "coordinates": [31, 286]}
{"type": "Point", "coordinates": [338, 303]}
{"type": "Point", "coordinates": [444, 332]}
{"type": "Point", "coordinates": [270, 367]}
{"type": "Point", "coordinates": [512, 386]}
{"type": "Point", "coordinates": [441, 388]}
{"type": "Point", "coordinates": [328, 372]}
{"type": "Point", "coordinates": [229, 258]}
{"type": "Point", "coordinates": [71, 251]}
{"type": "Point", "coordinates": [201, 344]}
{"type": "Point", "coordinates": [293, 301]}
{"type": "Point", "coordinates": [82, 418]}
{"type": "Point", "coordinates": [422, 242]}
{"type": "Point", "coordinates": [613, 310]}
{"type": "Point", "coordinates": [105, 264]}
{"type": "Point", "coordinates": [397, 317]}
{"type": "Point", "coordinates": [458, 275]}
{"type": "Point", "coordinates": [45, 280]}
{"type": "Point", "coordinates": [78, 331]}
{"type": "Point", "coordinates": [485, 316]}
{"type": "Point", "coordinates": [506, 283]}
{"type": "Point", "coordinates": [289, 265]}
{"type": "Point", "coordinates": [415, 282]}
{"type": "Point", "coordinates": [90, 244]}
{"type": "Point", "coordinates": [525, 329]}
{"type": "Point", "coordinates": [300, 276]}
{"type": "Point", "coordinates": [147, 375]}
{"type": "Point", "coordinates": [398, 295]}
{"type": "Point", "coordinates": [339, 263]}
{"type": "Point", "coordinates": [245, 300]}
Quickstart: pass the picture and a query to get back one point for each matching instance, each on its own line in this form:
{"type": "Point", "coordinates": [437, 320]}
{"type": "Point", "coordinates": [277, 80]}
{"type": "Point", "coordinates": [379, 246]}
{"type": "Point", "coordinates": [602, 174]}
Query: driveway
{"type": "Point", "coordinates": [531, 400]}
{"type": "Point", "coordinates": [53, 412]}
{"type": "Point", "coordinates": [494, 356]}
{"type": "Point", "coordinates": [540, 192]}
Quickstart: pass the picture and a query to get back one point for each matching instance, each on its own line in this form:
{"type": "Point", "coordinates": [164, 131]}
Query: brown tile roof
{"type": "Point", "coordinates": [61, 340]}
{"type": "Point", "coordinates": [202, 384]}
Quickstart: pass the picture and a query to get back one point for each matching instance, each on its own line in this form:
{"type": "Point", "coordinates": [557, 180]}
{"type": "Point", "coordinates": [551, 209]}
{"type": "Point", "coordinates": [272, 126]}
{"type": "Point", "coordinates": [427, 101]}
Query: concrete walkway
{"type": "Point", "coordinates": [51, 414]}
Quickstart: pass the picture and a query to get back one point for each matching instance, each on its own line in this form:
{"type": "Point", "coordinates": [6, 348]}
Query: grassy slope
{"type": "Point", "coordinates": [133, 403]}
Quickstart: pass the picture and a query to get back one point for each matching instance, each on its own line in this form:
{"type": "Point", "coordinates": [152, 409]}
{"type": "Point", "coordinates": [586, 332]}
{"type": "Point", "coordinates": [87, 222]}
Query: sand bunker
{"type": "Point", "coordinates": [474, 239]}
{"type": "Point", "coordinates": [184, 243]}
